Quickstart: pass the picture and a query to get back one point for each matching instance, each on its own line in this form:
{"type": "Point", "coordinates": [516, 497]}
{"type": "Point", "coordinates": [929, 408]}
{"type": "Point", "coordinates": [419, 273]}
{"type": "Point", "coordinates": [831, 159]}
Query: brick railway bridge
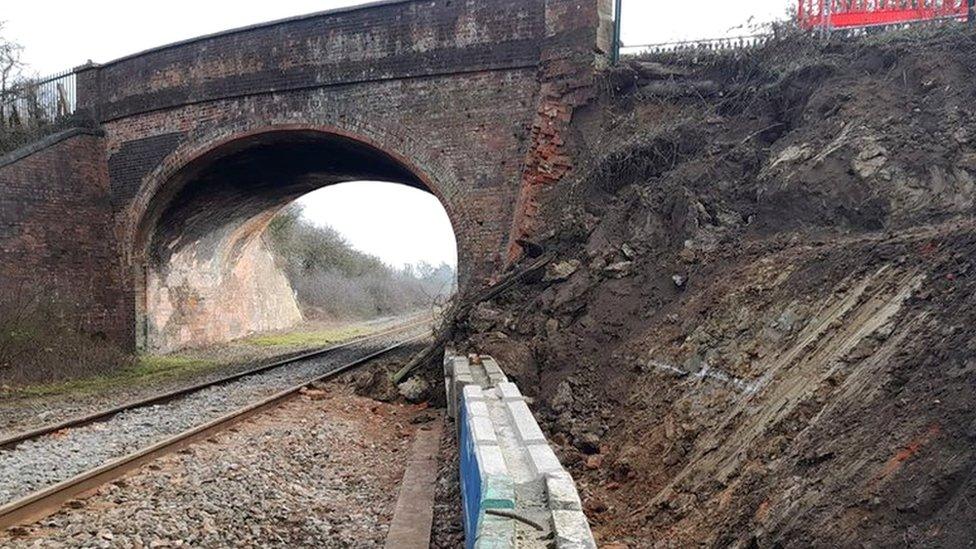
{"type": "Point", "coordinates": [149, 221]}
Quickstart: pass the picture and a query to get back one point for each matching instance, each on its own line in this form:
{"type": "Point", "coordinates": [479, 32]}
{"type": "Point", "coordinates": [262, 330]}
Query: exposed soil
{"type": "Point", "coordinates": [758, 328]}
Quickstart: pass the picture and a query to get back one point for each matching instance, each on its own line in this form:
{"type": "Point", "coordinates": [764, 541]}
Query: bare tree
{"type": "Point", "coordinates": [11, 67]}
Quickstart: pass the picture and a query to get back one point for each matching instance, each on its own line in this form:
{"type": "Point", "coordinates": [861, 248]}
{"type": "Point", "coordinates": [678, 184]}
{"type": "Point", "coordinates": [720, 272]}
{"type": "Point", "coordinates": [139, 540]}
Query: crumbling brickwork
{"type": "Point", "coordinates": [578, 38]}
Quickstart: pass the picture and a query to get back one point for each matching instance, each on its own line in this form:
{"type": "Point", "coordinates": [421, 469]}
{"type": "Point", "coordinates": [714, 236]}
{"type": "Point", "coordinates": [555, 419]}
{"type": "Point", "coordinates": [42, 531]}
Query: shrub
{"type": "Point", "coordinates": [41, 341]}
{"type": "Point", "coordinates": [334, 281]}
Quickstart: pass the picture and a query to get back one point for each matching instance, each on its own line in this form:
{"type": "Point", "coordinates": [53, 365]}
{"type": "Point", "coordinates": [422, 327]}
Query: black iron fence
{"type": "Point", "coordinates": [38, 102]}
{"type": "Point", "coordinates": [35, 108]}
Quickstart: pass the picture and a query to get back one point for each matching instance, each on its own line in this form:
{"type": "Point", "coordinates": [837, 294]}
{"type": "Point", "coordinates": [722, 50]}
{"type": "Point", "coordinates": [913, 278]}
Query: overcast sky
{"type": "Point", "coordinates": [399, 225]}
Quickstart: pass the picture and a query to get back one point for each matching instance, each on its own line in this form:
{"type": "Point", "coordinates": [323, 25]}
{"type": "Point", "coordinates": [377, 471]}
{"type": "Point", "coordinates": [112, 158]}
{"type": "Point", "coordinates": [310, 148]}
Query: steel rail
{"type": "Point", "coordinates": [48, 501]}
{"type": "Point", "coordinates": [14, 440]}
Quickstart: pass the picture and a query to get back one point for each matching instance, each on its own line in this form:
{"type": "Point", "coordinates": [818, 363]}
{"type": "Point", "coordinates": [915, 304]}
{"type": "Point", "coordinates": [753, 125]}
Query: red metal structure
{"type": "Point", "coordinates": [847, 14]}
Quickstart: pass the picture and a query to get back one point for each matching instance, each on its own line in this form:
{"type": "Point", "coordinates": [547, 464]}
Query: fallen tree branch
{"type": "Point", "coordinates": [461, 310]}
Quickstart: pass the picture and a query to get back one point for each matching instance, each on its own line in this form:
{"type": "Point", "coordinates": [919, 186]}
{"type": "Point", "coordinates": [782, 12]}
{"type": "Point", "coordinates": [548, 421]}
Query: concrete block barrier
{"type": "Point", "coordinates": [543, 460]}
{"type": "Point", "coordinates": [511, 481]}
{"type": "Point", "coordinates": [572, 530]}
{"type": "Point", "coordinates": [524, 422]}
{"type": "Point", "coordinates": [561, 491]}
{"type": "Point", "coordinates": [485, 479]}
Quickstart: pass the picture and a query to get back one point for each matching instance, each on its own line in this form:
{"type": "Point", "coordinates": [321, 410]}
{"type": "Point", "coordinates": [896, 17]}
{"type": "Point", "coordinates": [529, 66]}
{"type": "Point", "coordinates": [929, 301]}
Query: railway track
{"type": "Point", "coordinates": [50, 441]}
{"type": "Point", "coordinates": [13, 440]}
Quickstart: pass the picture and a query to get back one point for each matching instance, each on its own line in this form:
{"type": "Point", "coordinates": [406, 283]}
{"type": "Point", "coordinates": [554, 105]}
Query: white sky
{"type": "Point", "coordinates": [397, 223]}
{"type": "Point", "coordinates": [61, 34]}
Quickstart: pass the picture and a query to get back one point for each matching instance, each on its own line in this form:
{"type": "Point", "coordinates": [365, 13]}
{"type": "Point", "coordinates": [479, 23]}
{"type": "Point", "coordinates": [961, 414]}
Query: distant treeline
{"type": "Point", "coordinates": [334, 281]}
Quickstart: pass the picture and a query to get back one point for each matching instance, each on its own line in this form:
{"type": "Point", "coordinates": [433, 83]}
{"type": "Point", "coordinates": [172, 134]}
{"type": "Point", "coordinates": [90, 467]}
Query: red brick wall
{"type": "Point", "coordinates": [473, 97]}
{"type": "Point", "coordinates": [576, 43]}
{"type": "Point", "coordinates": [55, 229]}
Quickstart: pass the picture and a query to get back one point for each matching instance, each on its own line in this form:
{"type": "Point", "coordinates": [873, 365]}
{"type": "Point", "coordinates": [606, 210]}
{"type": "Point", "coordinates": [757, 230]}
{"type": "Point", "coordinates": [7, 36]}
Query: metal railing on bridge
{"type": "Point", "coordinates": [706, 44]}
{"type": "Point", "coordinates": [840, 17]}
{"type": "Point", "coordinates": [38, 102]}
{"type": "Point", "coordinates": [33, 109]}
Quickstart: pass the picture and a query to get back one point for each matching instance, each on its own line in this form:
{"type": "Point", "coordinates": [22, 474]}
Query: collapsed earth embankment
{"type": "Point", "coordinates": [758, 325]}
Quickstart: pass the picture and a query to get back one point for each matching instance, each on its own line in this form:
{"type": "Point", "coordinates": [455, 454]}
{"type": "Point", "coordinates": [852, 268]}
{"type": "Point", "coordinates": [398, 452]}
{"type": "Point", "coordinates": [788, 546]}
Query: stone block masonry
{"type": "Point", "coordinates": [514, 491]}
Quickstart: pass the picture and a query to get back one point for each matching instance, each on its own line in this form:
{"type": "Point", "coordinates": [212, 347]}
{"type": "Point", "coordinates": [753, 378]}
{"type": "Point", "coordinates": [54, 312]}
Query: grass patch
{"type": "Point", "coordinates": [149, 369]}
{"type": "Point", "coordinates": [311, 338]}
{"type": "Point", "coordinates": [162, 367]}
{"type": "Point", "coordinates": [145, 370]}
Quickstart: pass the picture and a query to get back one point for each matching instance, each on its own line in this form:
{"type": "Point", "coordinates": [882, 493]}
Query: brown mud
{"type": "Point", "coordinates": [759, 326]}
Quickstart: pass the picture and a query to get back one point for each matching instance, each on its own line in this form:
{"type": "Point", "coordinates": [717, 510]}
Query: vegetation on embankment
{"type": "Point", "coordinates": [334, 281]}
{"type": "Point", "coordinates": [85, 365]}
{"type": "Point", "coordinates": [39, 342]}
{"type": "Point", "coordinates": [144, 371]}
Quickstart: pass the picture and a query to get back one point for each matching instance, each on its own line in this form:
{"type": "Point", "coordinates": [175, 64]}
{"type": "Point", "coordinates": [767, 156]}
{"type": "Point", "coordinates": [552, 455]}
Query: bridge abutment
{"type": "Point", "coordinates": [57, 245]}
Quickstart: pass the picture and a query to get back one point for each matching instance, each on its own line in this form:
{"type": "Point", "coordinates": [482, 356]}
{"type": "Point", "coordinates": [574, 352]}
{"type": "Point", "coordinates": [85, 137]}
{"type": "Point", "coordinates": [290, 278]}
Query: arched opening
{"type": "Point", "coordinates": [204, 272]}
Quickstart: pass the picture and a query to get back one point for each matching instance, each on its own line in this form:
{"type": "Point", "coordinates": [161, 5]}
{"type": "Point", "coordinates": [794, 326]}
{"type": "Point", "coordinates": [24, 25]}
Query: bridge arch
{"type": "Point", "coordinates": [470, 100]}
{"type": "Point", "coordinates": [202, 272]}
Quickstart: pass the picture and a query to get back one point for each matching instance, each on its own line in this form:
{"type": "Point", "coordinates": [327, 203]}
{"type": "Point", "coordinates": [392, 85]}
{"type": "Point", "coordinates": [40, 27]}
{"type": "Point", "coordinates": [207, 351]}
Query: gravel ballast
{"type": "Point", "coordinates": [36, 464]}
{"type": "Point", "coordinates": [320, 471]}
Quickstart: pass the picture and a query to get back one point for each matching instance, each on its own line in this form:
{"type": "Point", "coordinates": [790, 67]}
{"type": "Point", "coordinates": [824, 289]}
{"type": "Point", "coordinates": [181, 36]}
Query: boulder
{"type": "Point", "coordinates": [414, 390]}
{"type": "Point", "coordinates": [557, 272]}
{"type": "Point", "coordinates": [562, 399]}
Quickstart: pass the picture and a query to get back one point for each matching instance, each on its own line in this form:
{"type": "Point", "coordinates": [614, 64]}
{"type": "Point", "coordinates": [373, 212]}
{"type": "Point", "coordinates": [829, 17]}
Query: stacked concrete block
{"type": "Point", "coordinates": [494, 371]}
{"type": "Point", "coordinates": [486, 482]}
{"type": "Point", "coordinates": [562, 494]}
{"type": "Point", "coordinates": [457, 375]}
{"type": "Point", "coordinates": [572, 530]}
{"type": "Point", "coordinates": [504, 456]}
{"type": "Point", "coordinates": [569, 522]}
